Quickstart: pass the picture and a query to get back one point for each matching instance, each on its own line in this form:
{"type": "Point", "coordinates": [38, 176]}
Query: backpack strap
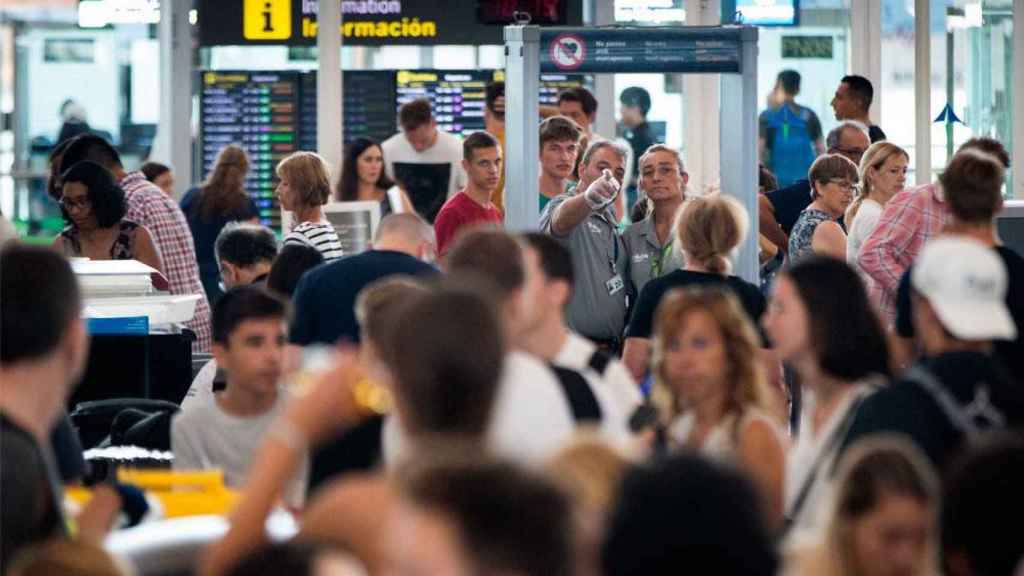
{"type": "Point", "coordinates": [599, 362]}
{"type": "Point", "coordinates": [961, 417]}
{"type": "Point", "coordinates": [582, 401]}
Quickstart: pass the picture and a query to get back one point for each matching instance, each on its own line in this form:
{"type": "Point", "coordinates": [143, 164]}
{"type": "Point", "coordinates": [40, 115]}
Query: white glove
{"type": "Point", "coordinates": [602, 191]}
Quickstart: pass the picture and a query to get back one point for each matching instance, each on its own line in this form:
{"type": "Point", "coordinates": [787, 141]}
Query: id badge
{"type": "Point", "coordinates": [615, 285]}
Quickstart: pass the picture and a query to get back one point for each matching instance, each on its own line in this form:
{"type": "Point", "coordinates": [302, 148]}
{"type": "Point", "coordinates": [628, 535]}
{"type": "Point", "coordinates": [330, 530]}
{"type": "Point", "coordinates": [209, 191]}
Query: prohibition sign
{"type": "Point", "coordinates": [568, 51]}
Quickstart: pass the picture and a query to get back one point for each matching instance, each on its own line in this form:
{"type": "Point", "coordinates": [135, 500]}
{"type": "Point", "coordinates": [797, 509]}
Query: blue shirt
{"type": "Point", "coordinates": [325, 298]}
{"type": "Point", "coordinates": [204, 234]}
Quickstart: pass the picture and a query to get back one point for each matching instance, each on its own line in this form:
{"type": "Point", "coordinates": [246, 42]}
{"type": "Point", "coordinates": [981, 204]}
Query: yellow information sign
{"type": "Point", "coordinates": [267, 19]}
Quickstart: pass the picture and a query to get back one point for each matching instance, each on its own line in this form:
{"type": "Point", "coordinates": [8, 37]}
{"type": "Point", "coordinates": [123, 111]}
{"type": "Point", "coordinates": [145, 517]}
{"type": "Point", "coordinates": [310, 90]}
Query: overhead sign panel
{"type": "Point", "coordinates": [371, 22]}
{"type": "Point", "coordinates": [660, 50]}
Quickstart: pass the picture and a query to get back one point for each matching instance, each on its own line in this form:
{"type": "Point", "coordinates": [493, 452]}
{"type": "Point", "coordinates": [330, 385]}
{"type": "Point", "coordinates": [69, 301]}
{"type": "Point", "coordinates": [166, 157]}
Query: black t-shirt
{"type": "Point", "coordinates": [641, 324]}
{"type": "Point", "coordinates": [789, 202]}
{"type": "Point", "coordinates": [971, 380]}
{"type": "Point", "coordinates": [325, 297]}
{"type": "Point", "coordinates": [640, 139]}
{"type": "Point", "coordinates": [1009, 352]}
{"type": "Point", "coordinates": [875, 133]}
{"type": "Point", "coordinates": [29, 492]}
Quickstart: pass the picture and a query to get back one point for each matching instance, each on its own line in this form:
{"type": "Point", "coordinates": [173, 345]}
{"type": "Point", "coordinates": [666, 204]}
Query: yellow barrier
{"type": "Point", "coordinates": [179, 493]}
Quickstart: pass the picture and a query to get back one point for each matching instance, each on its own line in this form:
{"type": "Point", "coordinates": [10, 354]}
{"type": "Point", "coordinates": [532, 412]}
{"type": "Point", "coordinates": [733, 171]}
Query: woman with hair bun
{"type": "Point", "coordinates": [708, 230]}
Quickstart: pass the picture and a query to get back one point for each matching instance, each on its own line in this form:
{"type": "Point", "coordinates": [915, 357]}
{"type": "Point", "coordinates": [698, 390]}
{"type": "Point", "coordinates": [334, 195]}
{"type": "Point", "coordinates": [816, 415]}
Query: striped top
{"type": "Point", "coordinates": [319, 235]}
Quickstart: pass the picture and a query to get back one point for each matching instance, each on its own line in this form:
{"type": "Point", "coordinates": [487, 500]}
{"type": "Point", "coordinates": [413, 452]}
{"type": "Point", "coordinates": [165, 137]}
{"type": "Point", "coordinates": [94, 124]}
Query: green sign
{"type": "Point", "coordinates": [807, 47]}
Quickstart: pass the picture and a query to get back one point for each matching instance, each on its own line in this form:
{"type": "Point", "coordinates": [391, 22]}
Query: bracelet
{"type": "Point", "coordinates": [286, 432]}
{"type": "Point", "coordinates": [371, 398]}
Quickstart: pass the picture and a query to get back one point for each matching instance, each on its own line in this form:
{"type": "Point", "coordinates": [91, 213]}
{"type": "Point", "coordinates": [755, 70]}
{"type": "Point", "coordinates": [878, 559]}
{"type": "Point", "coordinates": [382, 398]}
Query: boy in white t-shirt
{"type": "Point", "coordinates": [249, 334]}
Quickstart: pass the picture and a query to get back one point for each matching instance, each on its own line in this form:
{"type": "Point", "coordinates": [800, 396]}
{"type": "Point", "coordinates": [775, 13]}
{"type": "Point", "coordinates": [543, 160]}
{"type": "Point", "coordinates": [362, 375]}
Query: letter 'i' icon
{"type": "Point", "coordinates": [267, 19]}
{"type": "Point", "coordinates": [267, 27]}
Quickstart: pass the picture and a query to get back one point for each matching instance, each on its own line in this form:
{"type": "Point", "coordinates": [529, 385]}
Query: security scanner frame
{"type": "Point", "coordinates": [730, 51]}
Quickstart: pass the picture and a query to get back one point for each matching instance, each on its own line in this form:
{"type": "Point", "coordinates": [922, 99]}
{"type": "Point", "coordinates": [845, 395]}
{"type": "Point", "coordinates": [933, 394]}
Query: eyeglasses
{"type": "Point", "coordinates": [845, 185]}
{"type": "Point", "coordinates": [850, 151]}
{"type": "Point", "coordinates": [70, 205]}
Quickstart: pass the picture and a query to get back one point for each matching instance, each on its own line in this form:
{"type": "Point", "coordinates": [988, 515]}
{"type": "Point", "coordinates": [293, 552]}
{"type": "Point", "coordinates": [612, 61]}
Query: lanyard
{"type": "Point", "coordinates": [659, 260]}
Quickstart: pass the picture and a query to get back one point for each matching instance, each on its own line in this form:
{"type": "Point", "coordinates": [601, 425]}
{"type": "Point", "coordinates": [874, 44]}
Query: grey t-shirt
{"type": "Point", "coordinates": [204, 436]}
{"type": "Point", "coordinates": [597, 309]}
{"type": "Point", "coordinates": [648, 259]}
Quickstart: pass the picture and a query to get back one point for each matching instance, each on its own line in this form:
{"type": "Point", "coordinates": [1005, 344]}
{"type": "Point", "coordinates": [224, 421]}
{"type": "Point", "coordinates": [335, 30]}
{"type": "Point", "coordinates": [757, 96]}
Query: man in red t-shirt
{"type": "Point", "coordinates": [481, 158]}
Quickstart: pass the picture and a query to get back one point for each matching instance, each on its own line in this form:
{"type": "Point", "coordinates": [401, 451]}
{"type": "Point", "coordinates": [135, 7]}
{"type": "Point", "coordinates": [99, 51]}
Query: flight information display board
{"type": "Point", "coordinates": [258, 111]}
{"type": "Point", "coordinates": [368, 107]}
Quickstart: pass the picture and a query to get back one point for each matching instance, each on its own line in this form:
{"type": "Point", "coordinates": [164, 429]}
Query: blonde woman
{"type": "Point", "coordinates": [883, 173]}
{"type": "Point", "coordinates": [883, 516]}
{"type": "Point", "coordinates": [707, 229]}
{"type": "Point", "coordinates": [709, 380]}
{"type": "Point", "coordinates": [833, 181]}
{"type": "Point", "coordinates": [303, 190]}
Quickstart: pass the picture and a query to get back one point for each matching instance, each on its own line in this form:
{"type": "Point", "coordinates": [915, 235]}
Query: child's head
{"type": "Point", "coordinates": [249, 335]}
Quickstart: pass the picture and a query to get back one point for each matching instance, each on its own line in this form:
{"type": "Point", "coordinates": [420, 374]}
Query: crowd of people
{"type": "Point", "coordinates": [599, 396]}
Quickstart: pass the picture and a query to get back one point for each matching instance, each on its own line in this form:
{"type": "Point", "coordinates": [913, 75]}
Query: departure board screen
{"type": "Point", "coordinates": [258, 111]}
{"type": "Point", "coordinates": [368, 108]}
{"type": "Point", "coordinates": [456, 97]}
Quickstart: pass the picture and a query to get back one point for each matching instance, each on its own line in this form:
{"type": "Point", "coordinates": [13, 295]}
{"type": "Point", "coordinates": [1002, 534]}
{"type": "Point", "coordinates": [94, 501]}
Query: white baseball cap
{"type": "Point", "coordinates": [965, 283]}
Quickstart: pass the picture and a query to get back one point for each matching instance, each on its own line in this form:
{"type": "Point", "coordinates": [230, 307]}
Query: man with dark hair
{"type": "Point", "coordinates": [424, 159]}
{"type": "Point", "coordinates": [43, 351]}
{"type": "Point", "coordinates": [552, 340]}
{"type": "Point", "coordinates": [634, 104]}
{"type": "Point", "coordinates": [684, 515]}
{"type": "Point", "coordinates": [790, 134]}
{"type": "Point", "coordinates": [249, 334]}
{"type": "Point", "coordinates": [245, 253]}
{"type": "Point", "coordinates": [853, 102]}
{"type": "Point", "coordinates": [559, 150]}
{"type": "Point", "coordinates": [581, 106]}
{"type": "Point", "coordinates": [582, 219]}
{"type": "Point", "coordinates": [957, 390]}
{"type": "Point", "coordinates": [150, 207]}
{"type": "Point", "coordinates": [482, 161]}
{"type": "Point", "coordinates": [849, 139]}
{"type": "Point", "coordinates": [325, 297]}
{"type": "Point", "coordinates": [470, 517]}
{"type": "Point", "coordinates": [910, 219]}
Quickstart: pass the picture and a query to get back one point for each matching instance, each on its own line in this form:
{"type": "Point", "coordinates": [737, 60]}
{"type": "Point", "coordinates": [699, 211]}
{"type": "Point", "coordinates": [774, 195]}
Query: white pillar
{"type": "Point", "coordinates": [922, 92]}
{"type": "Point", "coordinates": [866, 47]}
{"type": "Point", "coordinates": [604, 84]}
{"type": "Point", "coordinates": [522, 141]}
{"type": "Point", "coordinates": [173, 142]}
{"type": "Point", "coordinates": [701, 102]}
{"type": "Point", "coordinates": [328, 83]}
{"type": "Point", "coordinates": [1018, 99]}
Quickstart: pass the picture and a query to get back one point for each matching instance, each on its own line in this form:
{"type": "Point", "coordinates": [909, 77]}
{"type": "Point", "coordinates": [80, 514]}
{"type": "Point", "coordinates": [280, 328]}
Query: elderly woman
{"type": "Point", "coordinates": [94, 207]}
{"type": "Point", "coordinates": [649, 241]}
{"type": "Point", "coordinates": [833, 182]}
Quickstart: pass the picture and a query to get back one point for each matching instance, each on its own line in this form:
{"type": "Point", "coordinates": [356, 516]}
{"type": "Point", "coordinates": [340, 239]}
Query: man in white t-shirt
{"type": "Point", "coordinates": [552, 340]}
{"type": "Point", "coordinates": [249, 334]}
{"type": "Point", "coordinates": [425, 161]}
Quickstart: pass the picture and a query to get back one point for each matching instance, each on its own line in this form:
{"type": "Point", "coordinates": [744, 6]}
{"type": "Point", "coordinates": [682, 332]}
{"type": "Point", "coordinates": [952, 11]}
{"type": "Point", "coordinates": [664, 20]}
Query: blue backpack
{"type": "Point", "coordinates": [792, 151]}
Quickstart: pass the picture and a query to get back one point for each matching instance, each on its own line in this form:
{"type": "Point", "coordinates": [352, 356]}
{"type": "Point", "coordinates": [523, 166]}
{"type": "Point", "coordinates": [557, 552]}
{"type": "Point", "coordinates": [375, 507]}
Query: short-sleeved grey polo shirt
{"type": "Point", "coordinates": [648, 259]}
{"type": "Point", "coordinates": [598, 254]}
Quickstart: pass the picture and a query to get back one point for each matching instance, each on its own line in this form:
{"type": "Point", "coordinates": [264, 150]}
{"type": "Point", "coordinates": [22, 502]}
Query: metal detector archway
{"type": "Point", "coordinates": [730, 51]}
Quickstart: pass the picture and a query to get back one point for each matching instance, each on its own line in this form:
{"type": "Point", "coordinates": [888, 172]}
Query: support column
{"type": "Point", "coordinates": [1018, 99]}
{"type": "Point", "coordinates": [173, 142]}
{"type": "Point", "coordinates": [922, 93]}
{"type": "Point", "coordinates": [522, 141]}
{"type": "Point", "coordinates": [739, 149]}
{"type": "Point", "coordinates": [701, 108]}
{"type": "Point", "coordinates": [866, 47]}
{"type": "Point", "coordinates": [604, 84]}
{"type": "Point", "coordinates": [328, 83]}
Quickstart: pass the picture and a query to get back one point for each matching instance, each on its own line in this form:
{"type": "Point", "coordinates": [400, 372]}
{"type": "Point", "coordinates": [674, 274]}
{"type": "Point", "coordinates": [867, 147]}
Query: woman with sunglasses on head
{"type": "Point", "coordinates": [94, 207]}
{"type": "Point", "coordinates": [883, 173]}
{"type": "Point", "coordinates": [833, 182]}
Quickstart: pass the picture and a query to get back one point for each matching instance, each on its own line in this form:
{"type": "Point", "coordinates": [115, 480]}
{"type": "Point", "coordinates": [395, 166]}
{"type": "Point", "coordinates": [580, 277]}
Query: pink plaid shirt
{"type": "Point", "coordinates": [909, 220]}
{"type": "Point", "coordinates": [149, 206]}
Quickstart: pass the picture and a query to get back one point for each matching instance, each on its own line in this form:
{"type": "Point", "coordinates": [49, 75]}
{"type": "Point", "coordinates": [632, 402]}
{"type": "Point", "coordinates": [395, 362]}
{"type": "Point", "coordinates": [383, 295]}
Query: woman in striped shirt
{"type": "Point", "coordinates": [303, 190]}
